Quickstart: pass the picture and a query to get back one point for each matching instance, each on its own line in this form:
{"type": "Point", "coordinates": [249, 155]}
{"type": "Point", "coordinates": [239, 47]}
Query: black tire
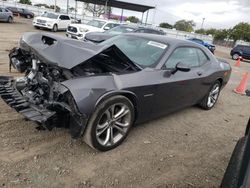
{"type": "Point", "coordinates": [204, 102]}
{"type": "Point", "coordinates": [55, 28]}
{"type": "Point", "coordinates": [10, 19]}
{"type": "Point", "coordinates": [28, 16]}
{"type": "Point", "coordinates": [37, 27]}
{"type": "Point", "coordinates": [90, 134]}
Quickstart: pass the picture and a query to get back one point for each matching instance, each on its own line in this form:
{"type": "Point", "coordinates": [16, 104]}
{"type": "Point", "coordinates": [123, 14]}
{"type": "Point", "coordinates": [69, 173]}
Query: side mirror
{"type": "Point", "coordinates": [106, 28]}
{"type": "Point", "coordinates": [181, 67]}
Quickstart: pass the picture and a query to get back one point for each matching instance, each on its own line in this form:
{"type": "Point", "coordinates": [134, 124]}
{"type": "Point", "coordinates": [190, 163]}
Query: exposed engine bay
{"type": "Point", "coordinates": [40, 95]}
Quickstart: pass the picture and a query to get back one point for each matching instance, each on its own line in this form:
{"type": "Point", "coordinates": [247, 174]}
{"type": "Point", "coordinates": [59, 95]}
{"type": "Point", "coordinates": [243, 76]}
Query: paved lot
{"type": "Point", "coordinates": [190, 148]}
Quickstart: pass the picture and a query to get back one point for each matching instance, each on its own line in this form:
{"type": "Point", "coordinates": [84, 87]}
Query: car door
{"type": "Point", "coordinates": [246, 52]}
{"type": "Point", "coordinates": [63, 21]}
{"type": "Point", "coordinates": [179, 89]}
{"type": "Point", "coordinates": [67, 21]}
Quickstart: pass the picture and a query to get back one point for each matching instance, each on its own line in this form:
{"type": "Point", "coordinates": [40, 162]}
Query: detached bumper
{"type": "Point", "coordinates": [15, 100]}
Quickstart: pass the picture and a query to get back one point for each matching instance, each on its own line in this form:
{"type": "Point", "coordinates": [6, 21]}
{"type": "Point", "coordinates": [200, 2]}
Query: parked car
{"type": "Point", "coordinates": [237, 174]}
{"type": "Point", "coordinates": [6, 15]}
{"type": "Point", "coordinates": [52, 21]}
{"type": "Point", "coordinates": [22, 12]}
{"type": "Point", "coordinates": [98, 37]}
{"type": "Point", "coordinates": [211, 47]}
{"type": "Point", "coordinates": [99, 91]}
{"type": "Point", "coordinates": [78, 31]}
{"type": "Point", "coordinates": [240, 51]}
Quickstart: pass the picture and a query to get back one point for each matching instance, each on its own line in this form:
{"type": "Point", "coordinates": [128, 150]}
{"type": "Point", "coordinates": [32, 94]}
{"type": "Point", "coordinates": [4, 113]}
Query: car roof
{"type": "Point", "coordinates": [242, 45]}
{"type": "Point", "coordinates": [139, 27]}
{"type": "Point", "coordinates": [107, 21]}
{"type": "Point", "coordinates": [162, 38]}
{"type": "Point", "coordinates": [193, 38]}
{"type": "Point", "coordinates": [59, 14]}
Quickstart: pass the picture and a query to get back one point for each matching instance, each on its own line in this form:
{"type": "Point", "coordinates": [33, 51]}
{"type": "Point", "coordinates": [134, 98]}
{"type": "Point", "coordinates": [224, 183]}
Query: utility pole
{"type": "Point", "coordinates": [55, 6]}
{"type": "Point", "coordinates": [75, 8]}
{"type": "Point", "coordinates": [67, 6]}
{"type": "Point", "coordinates": [203, 19]}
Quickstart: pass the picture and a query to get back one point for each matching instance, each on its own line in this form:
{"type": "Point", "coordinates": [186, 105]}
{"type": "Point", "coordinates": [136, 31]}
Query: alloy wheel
{"type": "Point", "coordinates": [213, 95]}
{"type": "Point", "coordinates": [113, 124]}
{"type": "Point", "coordinates": [236, 56]}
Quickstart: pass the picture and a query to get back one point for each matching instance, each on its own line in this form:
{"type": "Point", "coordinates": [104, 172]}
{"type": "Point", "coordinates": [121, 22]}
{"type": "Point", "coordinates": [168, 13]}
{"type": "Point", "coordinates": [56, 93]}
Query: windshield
{"type": "Point", "coordinates": [119, 30]}
{"type": "Point", "coordinates": [143, 52]}
{"type": "Point", "coordinates": [49, 15]}
{"type": "Point", "coordinates": [96, 23]}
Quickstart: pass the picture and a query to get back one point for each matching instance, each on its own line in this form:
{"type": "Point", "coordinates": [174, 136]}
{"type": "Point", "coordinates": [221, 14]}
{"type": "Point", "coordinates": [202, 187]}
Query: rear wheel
{"type": "Point", "coordinates": [28, 16]}
{"type": "Point", "coordinates": [55, 28]}
{"type": "Point", "coordinates": [211, 98]}
{"type": "Point", "coordinates": [110, 123]}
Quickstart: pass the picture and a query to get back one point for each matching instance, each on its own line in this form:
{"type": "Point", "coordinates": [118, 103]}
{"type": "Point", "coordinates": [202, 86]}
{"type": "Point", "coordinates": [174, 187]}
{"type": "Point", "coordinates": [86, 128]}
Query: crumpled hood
{"type": "Point", "coordinates": [98, 36]}
{"type": "Point", "coordinates": [61, 51]}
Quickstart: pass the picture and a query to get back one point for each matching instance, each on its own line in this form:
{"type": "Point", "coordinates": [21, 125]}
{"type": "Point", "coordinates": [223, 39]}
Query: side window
{"type": "Point", "coordinates": [63, 17]}
{"type": "Point", "coordinates": [186, 55]}
{"type": "Point", "coordinates": [246, 48]}
{"type": "Point", "coordinates": [111, 25]}
{"type": "Point", "coordinates": [1, 10]}
{"type": "Point", "coordinates": [155, 32]}
{"type": "Point", "coordinates": [140, 31]}
{"type": "Point", "coordinates": [67, 18]}
{"type": "Point", "coordinates": [202, 56]}
{"type": "Point", "coordinates": [115, 25]}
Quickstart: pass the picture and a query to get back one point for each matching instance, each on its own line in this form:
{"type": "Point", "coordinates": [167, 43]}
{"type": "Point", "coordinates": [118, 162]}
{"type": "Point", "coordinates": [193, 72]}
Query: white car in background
{"type": "Point", "coordinates": [52, 21]}
{"type": "Point", "coordinates": [78, 31]}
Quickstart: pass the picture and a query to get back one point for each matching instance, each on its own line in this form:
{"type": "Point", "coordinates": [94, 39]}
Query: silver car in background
{"type": "Point", "coordinates": [6, 15]}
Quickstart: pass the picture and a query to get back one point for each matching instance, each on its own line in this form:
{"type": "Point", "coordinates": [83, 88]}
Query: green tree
{"type": "Point", "coordinates": [166, 25]}
{"type": "Point", "coordinates": [53, 7]}
{"type": "Point", "coordinates": [201, 31]}
{"type": "Point", "coordinates": [221, 34]}
{"type": "Point", "coordinates": [72, 9]}
{"type": "Point", "coordinates": [28, 2]}
{"type": "Point", "coordinates": [133, 19]}
{"type": "Point", "coordinates": [241, 31]}
{"type": "Point", "coordinates": [185, 25]}
{"type": "Point", "coordinates": [42, 5]}
{"type": "Point", "coordinates": [211, 31]}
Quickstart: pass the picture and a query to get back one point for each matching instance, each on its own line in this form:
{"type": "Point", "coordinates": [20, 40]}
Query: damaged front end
{"type": "Point", "coordinates": [59, 88]}
{"type": "Point", "coordinates": [39, 96]}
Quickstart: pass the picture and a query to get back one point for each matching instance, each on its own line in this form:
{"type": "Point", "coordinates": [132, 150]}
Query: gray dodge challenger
{"type": "Point", "coordinates": [99, 91]}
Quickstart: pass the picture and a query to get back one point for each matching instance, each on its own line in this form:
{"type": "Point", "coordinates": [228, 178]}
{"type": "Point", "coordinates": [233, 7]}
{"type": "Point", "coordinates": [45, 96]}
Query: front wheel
{"type": "Point", "coordinates": [10, 20]}
{"type": "Point", "coordinates": [110, 123]}
{"type": "Point", "coordinates": [55, 28]}
{"type": "Point", "coordinates": [211, 98]}
{"type": "Point", "coordinates": [235, 56]}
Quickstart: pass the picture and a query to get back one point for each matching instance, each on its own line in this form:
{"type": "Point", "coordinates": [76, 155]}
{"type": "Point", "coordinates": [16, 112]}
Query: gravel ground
{"type": "Point", "coordinates": [190, 148]}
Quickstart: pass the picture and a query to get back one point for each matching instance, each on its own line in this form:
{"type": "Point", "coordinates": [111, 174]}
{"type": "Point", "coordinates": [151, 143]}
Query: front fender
{"type": "Point", "coordinates": [86, 91]}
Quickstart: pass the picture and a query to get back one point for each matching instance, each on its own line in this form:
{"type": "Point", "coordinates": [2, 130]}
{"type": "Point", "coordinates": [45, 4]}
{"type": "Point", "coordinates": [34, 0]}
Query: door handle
{"type": "Point", "coordinates": [199, 73]}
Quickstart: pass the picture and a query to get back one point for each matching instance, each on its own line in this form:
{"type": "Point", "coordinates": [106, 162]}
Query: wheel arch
{"type": "Point", "coordinates": [130, 95]}
{"type": "Point", "coordinates": [220, 80]}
